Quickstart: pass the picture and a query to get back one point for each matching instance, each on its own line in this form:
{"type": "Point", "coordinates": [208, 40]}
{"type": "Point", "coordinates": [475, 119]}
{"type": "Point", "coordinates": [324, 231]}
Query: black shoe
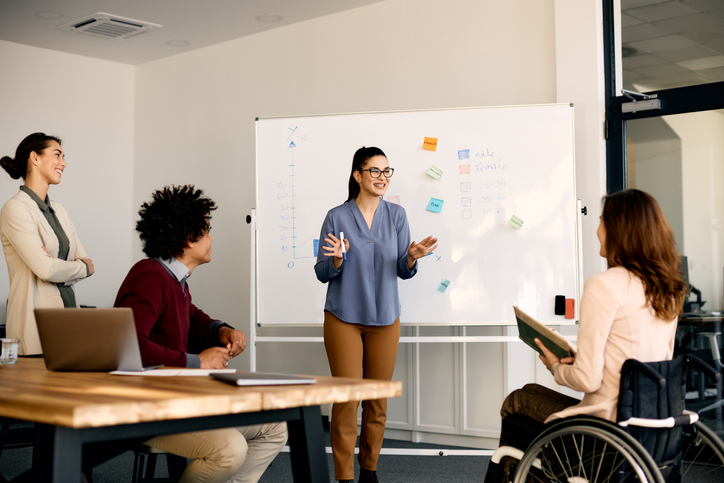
{"type": "Point", "coordinates": [367, 476]}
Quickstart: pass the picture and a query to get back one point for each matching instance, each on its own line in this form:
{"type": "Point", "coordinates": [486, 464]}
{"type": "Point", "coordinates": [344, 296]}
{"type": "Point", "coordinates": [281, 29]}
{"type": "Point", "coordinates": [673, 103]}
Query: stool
{"type": "Point", "coordinates": [146, 455]}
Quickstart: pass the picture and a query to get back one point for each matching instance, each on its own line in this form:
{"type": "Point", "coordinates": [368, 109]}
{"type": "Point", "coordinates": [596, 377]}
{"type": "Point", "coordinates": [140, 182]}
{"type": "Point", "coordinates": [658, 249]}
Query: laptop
{"type": "Point", "coordinates": [98, 340]}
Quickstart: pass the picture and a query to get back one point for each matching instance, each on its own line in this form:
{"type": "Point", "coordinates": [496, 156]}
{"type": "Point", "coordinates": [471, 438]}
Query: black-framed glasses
{"type": "Point", "coordinates": [376, 172]}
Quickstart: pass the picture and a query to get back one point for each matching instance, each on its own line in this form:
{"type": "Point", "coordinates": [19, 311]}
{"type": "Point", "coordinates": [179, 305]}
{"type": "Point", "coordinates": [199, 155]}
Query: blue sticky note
{"type": "Point", "coordinates": [316, 247]}
{"type": "Point", "coordinates": [435, 205]}
{"type": "Point", "coordinates": [444, 284]}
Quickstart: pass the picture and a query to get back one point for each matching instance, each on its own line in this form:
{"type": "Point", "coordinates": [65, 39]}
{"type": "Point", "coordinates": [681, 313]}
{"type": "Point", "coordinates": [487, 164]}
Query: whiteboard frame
{"type": "Point", "coordinates": [576, 206]}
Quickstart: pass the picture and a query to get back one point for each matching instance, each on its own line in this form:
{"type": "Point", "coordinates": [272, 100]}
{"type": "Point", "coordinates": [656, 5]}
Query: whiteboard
{"type": "Point", "coordinates": [496, 163]}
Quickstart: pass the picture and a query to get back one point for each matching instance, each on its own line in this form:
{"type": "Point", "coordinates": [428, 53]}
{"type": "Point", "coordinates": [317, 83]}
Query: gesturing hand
{"type": "Point", "coordinates": [335, 250]}
{"type": "Point", "coordinates": [419, 250]}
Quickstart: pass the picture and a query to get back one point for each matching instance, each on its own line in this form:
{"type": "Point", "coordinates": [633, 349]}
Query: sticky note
{"type": "Point", "coordinates": [434, 172]}
{"type": "Point", "coordinates": [464, 169]}
{"type": "Point", "coordinates": [430, 144]}
{"type": "Point", "coordinates": [464, 154]}
{"type": "Point", "coordinates": [515, 222]}
{"type": "Point", "coordinates": [393, 199]}
{"type": "Point", "coordinates": [570, 308]}
{"type": "Point", "coordinates": [316, 247]}
{"type": "Point", "coordinates": [444, 284]}
{"type": "Point", "coordinates": [435, 205]}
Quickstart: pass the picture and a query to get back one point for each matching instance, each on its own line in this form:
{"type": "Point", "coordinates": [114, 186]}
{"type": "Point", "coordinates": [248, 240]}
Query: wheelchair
{"type": "Point", "coordinates": [655, 440]}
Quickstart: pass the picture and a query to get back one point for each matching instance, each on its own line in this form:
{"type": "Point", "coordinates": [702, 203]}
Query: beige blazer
{"type": "Point", "coordinates": [616, 324]}
{"type": "Point", "coordinates": [24, 232]}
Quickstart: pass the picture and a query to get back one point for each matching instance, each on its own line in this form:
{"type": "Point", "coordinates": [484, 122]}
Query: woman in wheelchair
{"type": "Point", "coordinates": [629, 311]}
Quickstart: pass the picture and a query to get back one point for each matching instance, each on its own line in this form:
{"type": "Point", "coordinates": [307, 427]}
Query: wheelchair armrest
{"type": "Point", "coordinates": [692, 360]}
{"type": "Point", "coordinates": [683, 420]}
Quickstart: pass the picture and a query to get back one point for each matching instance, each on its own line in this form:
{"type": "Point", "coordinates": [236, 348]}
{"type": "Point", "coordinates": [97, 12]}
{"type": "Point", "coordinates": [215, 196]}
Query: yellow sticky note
{"type": "Point", "coordinates": [430, 144]}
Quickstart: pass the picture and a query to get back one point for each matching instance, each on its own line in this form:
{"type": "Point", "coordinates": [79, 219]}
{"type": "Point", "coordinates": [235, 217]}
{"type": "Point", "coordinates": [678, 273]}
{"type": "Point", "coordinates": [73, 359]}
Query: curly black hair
{"type": "Point", "coordinates": [176, 216]}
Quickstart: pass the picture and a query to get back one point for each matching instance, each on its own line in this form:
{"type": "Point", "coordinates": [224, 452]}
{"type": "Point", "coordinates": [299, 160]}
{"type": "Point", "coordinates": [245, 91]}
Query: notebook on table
{"type": "Point", "coordinates": [240, 378]}
{"type": "Point", "coordinates": [98, 340]}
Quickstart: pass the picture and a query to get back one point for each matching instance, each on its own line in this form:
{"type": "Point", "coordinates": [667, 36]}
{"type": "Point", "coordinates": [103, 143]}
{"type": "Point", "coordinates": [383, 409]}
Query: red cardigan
{"type": "Point", "coordinates": [164, 315]}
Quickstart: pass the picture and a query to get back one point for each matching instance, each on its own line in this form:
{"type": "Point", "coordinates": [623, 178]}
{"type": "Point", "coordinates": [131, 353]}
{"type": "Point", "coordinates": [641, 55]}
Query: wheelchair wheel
{"type": "Point", "coordinates": [703, 459]}
{"type": "Point", "coordinates": [586, 450]}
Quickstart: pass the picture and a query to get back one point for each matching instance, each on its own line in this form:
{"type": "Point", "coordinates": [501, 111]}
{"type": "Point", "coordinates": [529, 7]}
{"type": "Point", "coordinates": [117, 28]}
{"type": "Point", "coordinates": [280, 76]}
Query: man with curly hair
{"type": "Point", "coordinates": [174, 229]}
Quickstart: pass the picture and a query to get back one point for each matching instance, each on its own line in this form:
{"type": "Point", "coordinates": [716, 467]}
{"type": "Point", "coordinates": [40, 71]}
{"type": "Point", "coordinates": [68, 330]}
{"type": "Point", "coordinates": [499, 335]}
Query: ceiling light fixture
{"type": "Point", "coordinates": [269, 17]}
{"type": "Point", "coordinates": [48, 14]}
{"type": "Point", "coordinates": [177, 43]}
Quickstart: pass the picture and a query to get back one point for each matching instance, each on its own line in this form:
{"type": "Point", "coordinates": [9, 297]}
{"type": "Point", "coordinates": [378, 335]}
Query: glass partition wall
{"type": "Point", "coordinates": [665, 135]}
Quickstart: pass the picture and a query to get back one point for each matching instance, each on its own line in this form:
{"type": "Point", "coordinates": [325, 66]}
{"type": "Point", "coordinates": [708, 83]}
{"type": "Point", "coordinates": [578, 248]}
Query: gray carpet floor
{"type": "Point", "coordinates": [391, 468]}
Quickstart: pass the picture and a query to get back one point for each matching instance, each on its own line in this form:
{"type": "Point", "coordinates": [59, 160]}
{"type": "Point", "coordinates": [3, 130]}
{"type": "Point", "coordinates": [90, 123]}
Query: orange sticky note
{"type": "Point", "coordinates": [430, 144]}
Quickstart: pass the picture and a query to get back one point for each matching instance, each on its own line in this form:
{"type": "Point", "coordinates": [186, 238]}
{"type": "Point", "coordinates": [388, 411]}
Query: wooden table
{"type": "Point", "coordinates": [76, 408]}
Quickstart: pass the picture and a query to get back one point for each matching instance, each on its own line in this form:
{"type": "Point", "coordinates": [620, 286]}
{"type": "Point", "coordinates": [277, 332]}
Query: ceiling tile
{"type": "Point", "coordinates": [639, 3]}
{"type": "Point", "coordinates": [718, 46]}
{"type": "Point", "coordinates": [693, 52]}
{"type": "Point", "coordinates": [641, 61]}
{"type": "Point", "coordinates": [662, 70]}
{"type": "Point", "coordinates": [703, 63]}
{"type": "Point", "coordinates": [705, 5]}
{"type": "Point", "coordinates": [704, 36]}
{"type": "Point", "coordinates": [662, 43]}
{"type": "Point", "coordinates": [642, 32]}
{"type": "Point", "coordinates": [661, 11]}
{"type": "Point", "coordinates": [700, 21]}
{"type": "Point", "coordinates": [628, 20]}
{"type": "Point", "coordinates": [713, 75]}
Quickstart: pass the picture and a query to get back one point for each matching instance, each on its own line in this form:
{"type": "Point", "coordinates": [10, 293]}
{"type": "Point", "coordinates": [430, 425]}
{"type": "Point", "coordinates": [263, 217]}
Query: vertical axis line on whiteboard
{"type": "Point", "coordinates": [294, 226]}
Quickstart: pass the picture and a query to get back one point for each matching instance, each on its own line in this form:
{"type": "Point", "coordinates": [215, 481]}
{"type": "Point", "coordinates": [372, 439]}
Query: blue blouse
{"type": "Point", "coordinates": [364, 289]}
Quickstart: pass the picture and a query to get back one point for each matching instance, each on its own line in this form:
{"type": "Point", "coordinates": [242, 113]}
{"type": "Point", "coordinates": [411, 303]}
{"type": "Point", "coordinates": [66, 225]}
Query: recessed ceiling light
{"type": "Point", "coordinates": [48, 14]}
{"type": "Point", "coordinates": [177, 43]}
{"type": "Point", "coordinates": [269, 17]}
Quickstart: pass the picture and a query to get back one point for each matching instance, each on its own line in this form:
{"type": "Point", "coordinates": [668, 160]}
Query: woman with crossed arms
{"type": "Point", "coordinates": [44, 255]}
{"type": "Point", "coordinates": [362, 309]}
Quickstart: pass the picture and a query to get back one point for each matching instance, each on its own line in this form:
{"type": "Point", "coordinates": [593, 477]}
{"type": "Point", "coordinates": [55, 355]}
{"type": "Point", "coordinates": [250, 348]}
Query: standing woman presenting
{"type": "Point", "coordinates": [362, 309]}
{"type": "Point", "coordinates": [44, 256]}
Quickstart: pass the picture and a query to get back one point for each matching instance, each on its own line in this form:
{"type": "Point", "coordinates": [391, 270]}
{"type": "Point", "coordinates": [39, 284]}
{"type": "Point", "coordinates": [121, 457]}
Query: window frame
{"type": "Point", "coordinates": [679, 100]}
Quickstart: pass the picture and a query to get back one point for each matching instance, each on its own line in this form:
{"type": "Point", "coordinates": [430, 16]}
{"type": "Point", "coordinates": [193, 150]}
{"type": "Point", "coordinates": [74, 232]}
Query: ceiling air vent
{"type": "Point", "coordinates": [109, 26]}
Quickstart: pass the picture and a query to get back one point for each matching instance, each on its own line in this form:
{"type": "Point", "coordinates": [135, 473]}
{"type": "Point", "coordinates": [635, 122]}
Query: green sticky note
{"type": "Point", "coordinates": [434, 172]}
{"type": "Point", "coordinates": [515, 222]}
{"type": "Point", "coordinates": [444, 284]}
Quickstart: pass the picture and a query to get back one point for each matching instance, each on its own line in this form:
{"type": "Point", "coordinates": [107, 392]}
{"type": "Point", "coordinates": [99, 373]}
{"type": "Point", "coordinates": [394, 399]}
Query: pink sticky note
{"type": "Point", "coordinates": [393, 199]}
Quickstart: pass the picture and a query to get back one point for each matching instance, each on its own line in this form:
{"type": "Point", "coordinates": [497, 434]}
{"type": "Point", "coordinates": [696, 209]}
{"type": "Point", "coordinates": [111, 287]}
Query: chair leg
{"type": "Point", "coordinates": [151, 466]}
{"type": "Point", "coordinates": [137, 468]}
{"type": "Point", "coordinates": [176, 465]}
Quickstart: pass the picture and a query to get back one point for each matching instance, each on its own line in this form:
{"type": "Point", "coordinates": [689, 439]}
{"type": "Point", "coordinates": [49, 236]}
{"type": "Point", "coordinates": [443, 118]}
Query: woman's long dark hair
{"type": "Point", "coordinates": [36, 142]}
{"type": "Point", "coordinates": [639, 239]}
{"type": "Point", "coordinates": [359, 160]}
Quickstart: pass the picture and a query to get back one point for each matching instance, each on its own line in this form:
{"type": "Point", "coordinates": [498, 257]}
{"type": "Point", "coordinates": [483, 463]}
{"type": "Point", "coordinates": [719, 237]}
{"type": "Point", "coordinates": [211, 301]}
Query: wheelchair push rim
{"type": "Point", "coordinates": [586, 451]}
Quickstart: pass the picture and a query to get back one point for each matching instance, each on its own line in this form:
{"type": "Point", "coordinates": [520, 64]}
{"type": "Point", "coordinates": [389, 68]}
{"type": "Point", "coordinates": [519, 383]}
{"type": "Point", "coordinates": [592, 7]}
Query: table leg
{"type": "Point", "coordinates": [59, 455]}
{"type": "Point", "coordinates": [307, 447]}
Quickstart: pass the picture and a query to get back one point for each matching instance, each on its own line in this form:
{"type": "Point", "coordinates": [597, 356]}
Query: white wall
{"type": "Point", "coordinates": [195, 112]}
{"type": "Point", "coordinates": [702, 166]}
{"type": "Point", "coordinates": [88, 103]}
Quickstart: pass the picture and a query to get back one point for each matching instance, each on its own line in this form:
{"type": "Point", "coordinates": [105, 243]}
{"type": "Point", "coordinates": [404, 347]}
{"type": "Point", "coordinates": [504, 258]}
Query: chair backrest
{"type": "Point", "coordinates": [655, 390]}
